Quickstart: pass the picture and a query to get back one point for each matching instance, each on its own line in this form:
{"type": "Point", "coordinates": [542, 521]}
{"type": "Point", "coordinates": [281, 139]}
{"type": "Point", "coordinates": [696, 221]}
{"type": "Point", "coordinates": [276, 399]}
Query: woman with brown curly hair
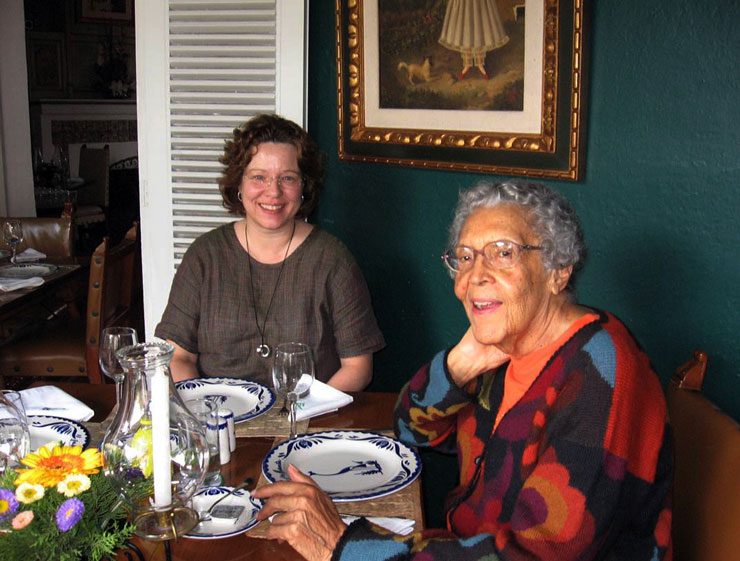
{"type": "Point", "coordinates": [270, 277]}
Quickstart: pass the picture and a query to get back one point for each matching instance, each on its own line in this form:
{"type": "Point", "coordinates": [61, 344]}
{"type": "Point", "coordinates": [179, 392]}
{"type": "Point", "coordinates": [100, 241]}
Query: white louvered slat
{"type": "Point", "coordinates": [212, 64]}
{"type": "Point", "coordinates": [238, 42]}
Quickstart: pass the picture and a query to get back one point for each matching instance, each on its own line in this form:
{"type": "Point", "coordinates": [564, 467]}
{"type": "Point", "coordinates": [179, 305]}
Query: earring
{"type": "Point", "coordinates": [302, 197]}
{"type": "Point", "coordinates": [239, 195]}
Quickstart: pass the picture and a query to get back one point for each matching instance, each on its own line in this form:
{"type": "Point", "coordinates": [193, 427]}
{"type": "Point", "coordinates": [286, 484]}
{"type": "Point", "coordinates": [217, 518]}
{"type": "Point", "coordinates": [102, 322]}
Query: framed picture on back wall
{"type": "Point", "coordinates": [495, 86]}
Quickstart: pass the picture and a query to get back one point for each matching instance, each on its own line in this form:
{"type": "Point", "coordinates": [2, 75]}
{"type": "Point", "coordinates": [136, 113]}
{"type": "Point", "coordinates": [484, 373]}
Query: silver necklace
{"type": "Point", "coordinates": [264, 349]}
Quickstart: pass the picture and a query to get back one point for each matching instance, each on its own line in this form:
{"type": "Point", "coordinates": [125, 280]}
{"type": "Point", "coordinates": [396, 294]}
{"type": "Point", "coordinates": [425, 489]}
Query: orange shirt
{"type": "Point", "coordinates": [521, 372]}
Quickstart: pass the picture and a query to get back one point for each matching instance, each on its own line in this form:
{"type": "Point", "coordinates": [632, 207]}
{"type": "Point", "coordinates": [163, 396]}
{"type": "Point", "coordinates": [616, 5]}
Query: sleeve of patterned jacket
{"type": "Point", "coordinates": [425, 416]}
{"type": "Point", "coordinates": [565, 468]}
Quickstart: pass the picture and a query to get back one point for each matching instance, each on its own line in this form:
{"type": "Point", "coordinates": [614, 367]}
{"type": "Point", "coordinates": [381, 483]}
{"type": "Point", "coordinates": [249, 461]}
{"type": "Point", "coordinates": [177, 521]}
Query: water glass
{"type": "Point", "coordinates": [292, 374]}
{"type": "Point", "coordinates": [15, 440]}
{"type": "Point", "coordinates": [13, 236]}
{"type": "Point", "coordinates": [111, 340]}
{"type": "Point", "coordinates": [205, 409]}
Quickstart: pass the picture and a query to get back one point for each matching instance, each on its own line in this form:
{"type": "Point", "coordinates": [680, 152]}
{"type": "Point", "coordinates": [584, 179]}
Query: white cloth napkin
{"type": "Point", "coordinates": [402, 526]}
{"type": "Point", "coordinates": [29, 255]}
{"type": "Point", "coordinates": [50, 400]}
{"type": "Point", "coordinates": [8, 285]}
{"type": "Point", "coordinates": [321, 399]}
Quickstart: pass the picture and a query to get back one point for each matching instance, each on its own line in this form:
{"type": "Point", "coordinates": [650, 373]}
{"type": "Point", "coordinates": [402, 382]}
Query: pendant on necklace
{"type": "Point", "coordinates": [263, 350]}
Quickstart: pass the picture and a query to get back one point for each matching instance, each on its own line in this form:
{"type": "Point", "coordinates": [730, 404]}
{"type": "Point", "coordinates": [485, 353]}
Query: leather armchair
{"type": "Point", "coordinates": [53, 236]}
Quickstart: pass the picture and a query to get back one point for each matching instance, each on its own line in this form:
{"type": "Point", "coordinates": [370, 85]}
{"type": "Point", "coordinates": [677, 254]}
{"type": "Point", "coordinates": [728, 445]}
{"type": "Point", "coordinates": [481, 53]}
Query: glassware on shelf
{"type": "Point", "coordinates": [155, 455]}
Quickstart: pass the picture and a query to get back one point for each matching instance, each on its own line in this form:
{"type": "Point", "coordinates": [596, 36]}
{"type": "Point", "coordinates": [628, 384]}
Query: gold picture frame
{"type": "Point", "coordinates": [527, 118]}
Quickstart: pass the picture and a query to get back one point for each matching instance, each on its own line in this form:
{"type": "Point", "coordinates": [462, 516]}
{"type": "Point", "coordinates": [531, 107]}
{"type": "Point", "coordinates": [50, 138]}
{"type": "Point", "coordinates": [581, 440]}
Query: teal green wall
{"type": "Point", "coordinates": [658, 203]}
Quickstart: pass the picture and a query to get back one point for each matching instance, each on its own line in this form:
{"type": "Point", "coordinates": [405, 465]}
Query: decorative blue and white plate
{"type": "Point", "coordinates": [348, 465]}
{"type": "Point", "coordinates": [45, 429]}
{"type": "Point", "coordinates": [246, 400]}
{"type": "Point", "coordinates": [224, 527]}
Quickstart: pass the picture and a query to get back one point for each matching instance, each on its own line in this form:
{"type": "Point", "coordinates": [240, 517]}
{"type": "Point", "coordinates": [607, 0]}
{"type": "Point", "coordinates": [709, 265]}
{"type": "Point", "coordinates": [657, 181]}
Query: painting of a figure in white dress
{"type": "Point", "coordinates": [451, 54]}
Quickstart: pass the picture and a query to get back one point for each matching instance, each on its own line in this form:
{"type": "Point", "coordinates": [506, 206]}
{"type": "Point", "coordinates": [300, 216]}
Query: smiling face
{"type": "Point", "coordinates": [271, 206]}
{"type": "Point", "coordinates": [512, 308]}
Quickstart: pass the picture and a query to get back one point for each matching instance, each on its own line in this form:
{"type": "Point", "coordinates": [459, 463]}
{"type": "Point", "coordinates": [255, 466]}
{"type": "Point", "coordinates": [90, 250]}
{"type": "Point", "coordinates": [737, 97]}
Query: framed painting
{"type": "Point", "coordinates": [492, 86]}
{"type": "Point", "coordinates": [107, 11]}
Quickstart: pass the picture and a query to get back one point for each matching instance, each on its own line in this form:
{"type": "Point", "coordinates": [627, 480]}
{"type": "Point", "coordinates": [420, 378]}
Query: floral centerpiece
{"type": "Point", "coordinates": [59, 506]}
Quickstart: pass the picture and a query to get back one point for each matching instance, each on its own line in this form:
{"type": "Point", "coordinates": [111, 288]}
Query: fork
{"type": "Point", "coordinates": [206, 516]}
{"type": "Point", "coordinates": [284, 409]}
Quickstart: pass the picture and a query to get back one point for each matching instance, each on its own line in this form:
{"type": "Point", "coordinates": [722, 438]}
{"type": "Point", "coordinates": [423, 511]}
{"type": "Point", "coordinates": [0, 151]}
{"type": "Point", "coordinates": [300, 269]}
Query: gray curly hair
{"type": "Point", "coordinates": [553, 218]}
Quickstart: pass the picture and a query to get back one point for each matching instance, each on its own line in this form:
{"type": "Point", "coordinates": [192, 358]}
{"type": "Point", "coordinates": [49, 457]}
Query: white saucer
{"type": "Point", "coordinates": [224, 527]}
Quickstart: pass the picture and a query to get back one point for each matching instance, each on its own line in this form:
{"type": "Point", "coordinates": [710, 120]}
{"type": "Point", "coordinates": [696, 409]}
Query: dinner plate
{"type": "Point", "coordinates": [246, 400]}
{"type": "Point", "coordinates": [45, 428]}
{"type": "Point", "coordinates": [348, 465]}
{"type": "Point", "coordinates": [27, 270]}
{"type": "Point", "coordinates": [224, 527]}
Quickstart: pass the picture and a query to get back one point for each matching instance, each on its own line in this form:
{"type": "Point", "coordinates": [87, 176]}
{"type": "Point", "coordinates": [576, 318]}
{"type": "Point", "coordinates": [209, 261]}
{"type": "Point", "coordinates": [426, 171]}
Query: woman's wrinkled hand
{"type": "Point", "coordinates": [305, 516]}
{"type": "Point", "coordinates": [470, 358]}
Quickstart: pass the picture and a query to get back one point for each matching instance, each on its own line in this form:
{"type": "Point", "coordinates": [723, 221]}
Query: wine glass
{"type": "Point", "coordinates": [13, 236]}
{"type": "Point", "coordinates": [292, 374]}
{"type": "Point", "coordinates": [15, 439]}
{"type": "Point", "coordinates": [112, 339]}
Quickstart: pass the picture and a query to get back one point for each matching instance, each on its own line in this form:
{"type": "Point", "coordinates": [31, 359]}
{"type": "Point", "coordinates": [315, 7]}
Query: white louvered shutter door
{"type": "Point", "coordinates": [203, 68]}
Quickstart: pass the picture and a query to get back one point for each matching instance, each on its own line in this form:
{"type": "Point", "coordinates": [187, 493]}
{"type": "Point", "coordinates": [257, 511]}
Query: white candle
{"type": "Point", "coordinates": [160, 410]}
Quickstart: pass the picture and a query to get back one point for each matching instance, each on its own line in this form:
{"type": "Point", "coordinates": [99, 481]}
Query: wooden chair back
{"type": "Point", "coordinates": [706, 492]}
{"type": "Point", "coordinates": [53, 236]}
{"type": "Point", "coordinates": [110, 293]}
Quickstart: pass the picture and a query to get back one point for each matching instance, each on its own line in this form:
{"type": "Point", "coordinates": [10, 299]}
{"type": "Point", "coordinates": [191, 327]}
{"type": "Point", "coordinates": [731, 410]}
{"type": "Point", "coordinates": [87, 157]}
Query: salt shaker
{"type": "Point", "coordinates": [228, 416]}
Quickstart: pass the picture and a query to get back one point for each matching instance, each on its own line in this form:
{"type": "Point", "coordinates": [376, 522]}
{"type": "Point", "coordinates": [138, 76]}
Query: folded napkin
{"type": "Point", "coordinates": [402, 526]}
{"type": "Point", "coordinates": [8, 285]}
{"type": "Point", "coordinates": [50, 400]}
{"type": "Point", "coordinates": [29, 255]}
{"type": "Point", "coordinates": [321, 399]}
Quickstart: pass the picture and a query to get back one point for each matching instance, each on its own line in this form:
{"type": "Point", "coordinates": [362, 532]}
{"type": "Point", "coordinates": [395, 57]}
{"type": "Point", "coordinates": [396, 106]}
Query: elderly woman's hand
{"type": "Point", "coordinates": [470, 358]}
{"type": "Point", "coordinates": [305, 516]}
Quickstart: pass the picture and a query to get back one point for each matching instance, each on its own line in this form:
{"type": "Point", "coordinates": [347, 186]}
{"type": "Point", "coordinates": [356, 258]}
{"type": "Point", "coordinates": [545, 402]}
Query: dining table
{"type": "Point", "coordinates": [39, 302]}
{"type": "Point", "coordinates": [369, 411]}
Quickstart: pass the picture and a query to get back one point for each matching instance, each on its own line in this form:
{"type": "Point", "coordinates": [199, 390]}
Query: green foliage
{"type": "Point", "coordinates": [100, 532]}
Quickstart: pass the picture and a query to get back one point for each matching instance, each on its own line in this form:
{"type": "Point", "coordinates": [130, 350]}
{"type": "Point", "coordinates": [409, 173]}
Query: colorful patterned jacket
{"type": "Point", "coordinates": [579, 469]}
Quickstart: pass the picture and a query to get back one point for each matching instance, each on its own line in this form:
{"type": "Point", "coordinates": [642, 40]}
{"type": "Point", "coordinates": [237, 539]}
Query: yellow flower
{"type": "Point", "coordinates": [74, 485]}
{"type": "Point", "coordinates": [27, 493]}
{"type": "Point", "coordinates": [49, 467]}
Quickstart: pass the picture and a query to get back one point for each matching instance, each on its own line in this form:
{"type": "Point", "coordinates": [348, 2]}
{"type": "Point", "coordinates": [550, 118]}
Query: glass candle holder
{"type": "Point", "coordinates": [155, 454]}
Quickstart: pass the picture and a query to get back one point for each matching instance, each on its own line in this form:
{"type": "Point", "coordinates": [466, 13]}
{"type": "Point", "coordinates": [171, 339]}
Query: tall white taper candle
{"type": "Point", "coordinates": [160, 410]}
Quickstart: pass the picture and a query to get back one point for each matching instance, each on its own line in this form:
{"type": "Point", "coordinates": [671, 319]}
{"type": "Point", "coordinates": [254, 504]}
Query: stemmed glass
{"type": "Point", "coordinates": [292, 374]}
{"type": "Point", "coordinates": [15, 439]}
{"type": "Point", "coordinates": [112, 339]}
{"type": "Point", "coordinates": [13, 236]}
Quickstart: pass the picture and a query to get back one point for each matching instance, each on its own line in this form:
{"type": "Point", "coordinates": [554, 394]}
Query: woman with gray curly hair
{"type": "Point", "coordinates": [558, 421]}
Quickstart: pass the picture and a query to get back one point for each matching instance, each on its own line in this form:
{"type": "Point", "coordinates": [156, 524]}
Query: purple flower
{"type": "Point", "coordinates": [8, 504]}
{"type": "Point", "coordinates": [69, 514]}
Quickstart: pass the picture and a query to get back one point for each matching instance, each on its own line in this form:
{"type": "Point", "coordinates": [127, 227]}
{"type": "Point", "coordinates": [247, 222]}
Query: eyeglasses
{"type": "Point", "coordinates": [288, 180]}
{"type": "Point", "coordinates": [500, 254]}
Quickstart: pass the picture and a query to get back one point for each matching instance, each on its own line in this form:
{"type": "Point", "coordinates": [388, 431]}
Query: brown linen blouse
{"type": "Point", "coordinates": [321, 300]}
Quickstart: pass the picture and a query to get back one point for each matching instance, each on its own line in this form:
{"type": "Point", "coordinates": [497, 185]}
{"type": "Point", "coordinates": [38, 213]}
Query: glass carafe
{"type": "Point", "coordinates": [14, 436]}
{"type": "Point", "coordinates": [155, 451]}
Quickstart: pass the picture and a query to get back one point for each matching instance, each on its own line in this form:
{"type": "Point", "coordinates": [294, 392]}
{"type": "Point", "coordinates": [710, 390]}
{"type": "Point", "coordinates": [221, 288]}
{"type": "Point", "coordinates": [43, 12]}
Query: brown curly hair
{"type": "Point", "coordinates": [270, 128]}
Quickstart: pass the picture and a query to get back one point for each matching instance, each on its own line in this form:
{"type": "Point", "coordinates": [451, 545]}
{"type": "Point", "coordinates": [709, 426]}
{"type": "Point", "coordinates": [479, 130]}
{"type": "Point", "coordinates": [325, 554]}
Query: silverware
{"type": "Point", "coordinates": [284, 409]}
{"type": "Point", "coordinates": [206, 516]}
